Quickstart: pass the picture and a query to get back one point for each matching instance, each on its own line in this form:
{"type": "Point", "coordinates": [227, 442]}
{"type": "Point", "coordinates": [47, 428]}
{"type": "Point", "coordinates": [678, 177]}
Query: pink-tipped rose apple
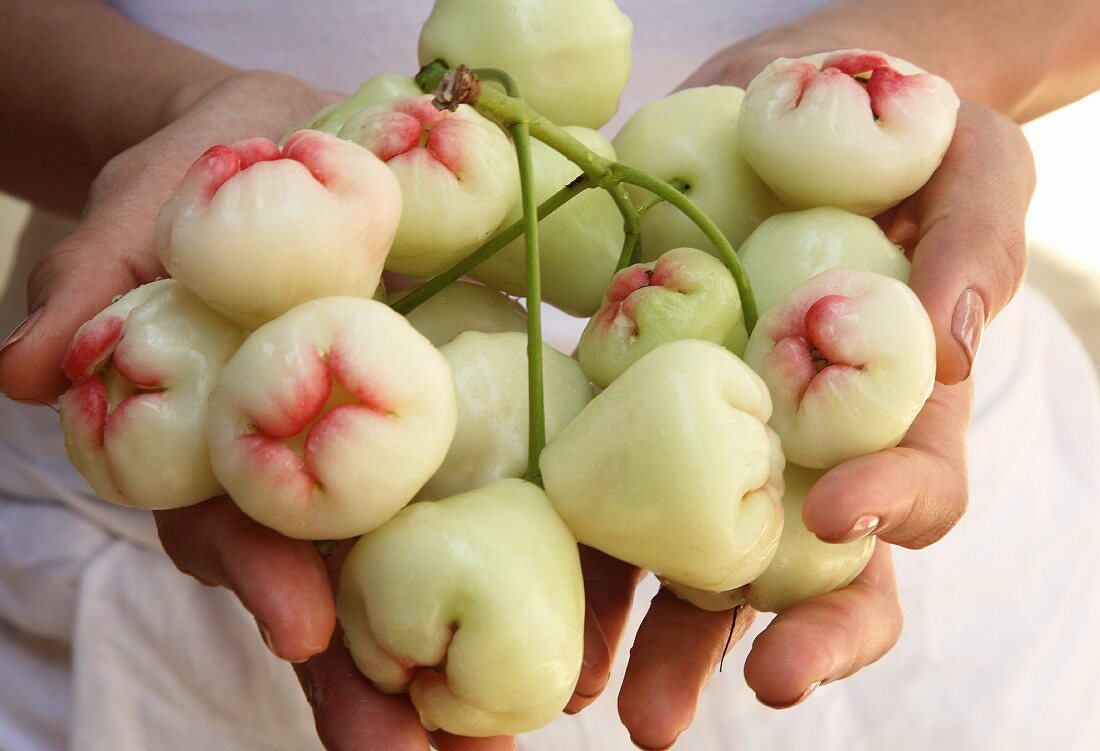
{"type": "Point", "coordinates": [135, 417]}
{"type": "Point", "coordinates": [256, 230]}
{"type": "Point", "coordinates": [330, 418]}
{"type": "Point", "coordinates": [803, 566]}
{"type": "Point", "coordinates": [849, 358]}
{"type": "Point", "coordinates": [791, 248]}
{"type": "Point", "coordinates": [853, 129]}
{"type": "Point", "coordinates": [458, 176]}
{"type": "Point", "coordinates": [372, 91]}
{"type": "Point", "coordinates": [464, 306]}
{"type": "Point", "coordinates": [570, 57]}
{"type": "Point", "coordinates": [579, 244]}
{"type": "Point", "coordinates": [690, 137]}
{"type": "Point", "coordinates": [673, 468]}
{"type": "Point", "coordinates": [474, 605]}
{"type": "Point", "coordinates": [685, 294]}
{"type": "Point", "coordinates": [490, 443]}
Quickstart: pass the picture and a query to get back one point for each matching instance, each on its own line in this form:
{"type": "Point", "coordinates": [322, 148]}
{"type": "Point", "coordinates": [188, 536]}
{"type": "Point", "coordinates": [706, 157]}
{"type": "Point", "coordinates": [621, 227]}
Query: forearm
{"type": "Point", "coordinates": [1021, 57]}
{"type": "Point", "coordinates": [78, 84]}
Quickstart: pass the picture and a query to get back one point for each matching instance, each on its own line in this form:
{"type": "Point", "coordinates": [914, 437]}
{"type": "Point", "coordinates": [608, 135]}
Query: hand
{"type": "Point", "coordinates": [964, 233]}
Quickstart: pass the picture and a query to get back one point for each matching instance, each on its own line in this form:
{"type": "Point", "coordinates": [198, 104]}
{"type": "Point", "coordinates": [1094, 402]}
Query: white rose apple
{"type": "Point", "coordinates": [673, 468]}
{"type": "Point", "coordinates": [330, 418]}
{"type": "Point", "coordinates": [691, 137]}
{"type": "Point", "coordinates": [853, 129]}
{"type": "Point", "coordinates": [849, 358]}
{"type": "Point", "coordinates": [490, 443]}
{"type": "Point", "coordinates": [458, 176]}
{"type": "Point", "coordinates": [789, 249]}
{"type": "Point", "coordinates": [474, 605]}
{"type": "Point", "coordinates": [803, 566]}
{"type": "Point", "coordinates": [464, 306]}
{"type": "Point", "coordinates": [579, 244]}
{"type": "Point", "coordinates": [570, 57]}
{"type": "Point", "coordinates": [685, 294]}
{"type": "Point", "coordinates": [374, 90]}
{"type": "Point", "coordinates": [255, 230]}
{"type": "Point", "coordinates": [135, 417]}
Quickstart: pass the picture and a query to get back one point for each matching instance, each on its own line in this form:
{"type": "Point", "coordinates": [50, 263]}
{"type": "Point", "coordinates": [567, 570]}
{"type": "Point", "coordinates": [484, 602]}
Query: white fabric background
{"type": "Point", "coordinates": [998, 649]}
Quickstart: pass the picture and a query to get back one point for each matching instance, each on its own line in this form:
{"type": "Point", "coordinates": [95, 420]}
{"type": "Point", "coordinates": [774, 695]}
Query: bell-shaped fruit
{"type": "Point", "coordinates": [458, 176]}
{"type": "Point", "coordinates": [570, 57]}
{"type": "Point", "coordinates": [474, 605]}
{"type": "Point", "coordinates": [673, 468]}
{"type": "Point", "coordinates": [853, 129]}
{"type": "Point", "coordinates": [464, 306]}
{"type": "Point", "coordinates": [789, 249]}
{"type": "Point", "coordinates": [579, 244]}
{"type": "Point", "coordinates": [803, 566]}
{"type": "Point", "coordinates": [330, 418]}
{"type": "Point", "coordinates": [685, 294]}
{"type": "Point", "coordinates": [490, 443]}
{"type": "Point", "coordinates": [374, 90]}
{"type": "Point", "coordinates": [255, 231]}
{"type": "Point", "coordinates": [690, 137]}
{"type": "Point", "coordinates": [849, 358]}
{"type": "Point", "coordinates": [135, 417]}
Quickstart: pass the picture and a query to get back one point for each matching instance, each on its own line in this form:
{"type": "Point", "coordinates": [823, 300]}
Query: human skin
{"type": "Point", "coordinates": [80, 92]}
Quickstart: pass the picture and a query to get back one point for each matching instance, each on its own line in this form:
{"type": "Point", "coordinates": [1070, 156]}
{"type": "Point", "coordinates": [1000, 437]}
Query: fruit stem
{"type": "Point", "coordinates": [437, 284]}
{"type": "Point", "coordinates": [632, 228]}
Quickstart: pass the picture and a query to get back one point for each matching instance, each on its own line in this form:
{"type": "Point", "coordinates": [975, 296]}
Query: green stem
{"type": "Point", "coordinates": [725, 250]}
{"type": "Point", "coordinates": [429, 289]}
{"type": "Point", "coordinates": [632, 228]}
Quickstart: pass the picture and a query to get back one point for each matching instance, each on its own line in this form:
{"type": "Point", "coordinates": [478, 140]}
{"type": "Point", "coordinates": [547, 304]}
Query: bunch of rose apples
{"type": "Point", "coordinates": [273, 367]}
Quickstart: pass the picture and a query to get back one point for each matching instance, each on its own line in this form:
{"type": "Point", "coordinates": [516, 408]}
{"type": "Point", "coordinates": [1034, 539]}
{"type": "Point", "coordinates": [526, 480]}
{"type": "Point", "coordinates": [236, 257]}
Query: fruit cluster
{"type": "Point", "coordinates": [469, 458]}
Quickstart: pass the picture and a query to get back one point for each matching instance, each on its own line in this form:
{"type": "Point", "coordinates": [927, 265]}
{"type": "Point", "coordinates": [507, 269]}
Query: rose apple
{"type": "Point", "coordinates": [570, 57]}
{"type": "Point", "coordinates": [135, 417]}
{"type": "Point", "coordinates": [853, 129]}
{"type": "Point", "coordinates": [789, 249]}
{"type": "Point", "coordinates": [685, 294]}
{"type": "Point", "coordinates": [474, 605]}
{"type": "Point", "coordinates": [579, 244]}
{"type": "Point", "coordinates": [691, 137]}
{"type": "Point", "coordinates": [464, 306]}
{"type": "Point", "coordinates": [849, 358]}
{"type": "Point", "coordinates": [374, 90]}
{"type": "Point", "coordinates": [458, 177]}
{"type": "Point", "coordinates": [673, 468]}
{"type": "Point", "coordinates": [330, 418]}
{"type": "Point", "coordinates": [255, 230]}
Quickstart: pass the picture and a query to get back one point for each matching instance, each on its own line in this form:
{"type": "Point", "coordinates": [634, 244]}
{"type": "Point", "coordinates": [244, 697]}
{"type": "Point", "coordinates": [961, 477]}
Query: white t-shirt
{"type": "Point", "coordinates": [998, 650]}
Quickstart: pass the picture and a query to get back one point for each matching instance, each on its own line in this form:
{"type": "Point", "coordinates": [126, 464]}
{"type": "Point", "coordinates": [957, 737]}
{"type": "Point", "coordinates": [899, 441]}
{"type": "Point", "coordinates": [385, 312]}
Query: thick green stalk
{"type": "Point", "coordinates": [632, 228]}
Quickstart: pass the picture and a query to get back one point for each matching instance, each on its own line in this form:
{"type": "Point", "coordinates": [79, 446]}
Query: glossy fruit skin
{"type": "Point", "coordinates": [579, 244]}
{"type": "Point", "coordinates": [330, 418]}
{"type": "Point", "coordinates": [803, 566]}
{"type": "Point", "coordinates": [691, 137]}
{"type": "Point", "coordinates": [789, 249]}
{"type": "Point", "coordinates": [673, 468]}
{"type": "Point", "coordinates": [135, 417]}
{"type": "Point", "coordinates": [570, 57]}
{"type": "Point", "coordinates": [849, 358]}
{"type": "Point", "coordinates": [474, 604]}
{"type": "Point", "coordinates": [684, 294]}
{"type": "Point", "coordinates": [372, 91]}
{"type": "Point", "coordinates": [853, 129]}
{"type": "Point", "coordinates": [464, 306]}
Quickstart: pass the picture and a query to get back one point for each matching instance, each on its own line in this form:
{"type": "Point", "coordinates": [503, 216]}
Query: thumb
{"type": "Point", "coordinates": [73, 282]}
{"type": "Point", "coordinates": [970, 258]}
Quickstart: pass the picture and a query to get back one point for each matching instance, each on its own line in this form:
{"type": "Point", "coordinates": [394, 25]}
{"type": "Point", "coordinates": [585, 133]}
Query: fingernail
{"type": "Point", "coordinates": [22, 329]}
{"type": "Point", "coordinates": [654, 748]}
{"type": "Point", "coordinates": [266, 634]}
{"type": "Point", "coordinates": [805, 695]}
{"type": "Point", "coordinates": [968, 323]}
{"type": "Point", "coordinates": [864, 526]}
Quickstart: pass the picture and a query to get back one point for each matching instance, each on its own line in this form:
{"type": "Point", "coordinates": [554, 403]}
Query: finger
{"type": "Point", "coordinates": [609, 586]}
{"type": "Point", "coordinates": [350, 713]}
{"type": "Point", "coordinates": [675, 652]}
{"type": "Point", "coordinates": [281, 581]}
{"type": "Point", "coordinates": [828, 637]}
{"type": "Point", "coordinates": [911, 495]}
{"type": "Point", "coordinates": [446, 742]}
{"type": "Point", "coordinates": [74, 282]}
{"type": "Point", "coordinates": [971, 255]}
